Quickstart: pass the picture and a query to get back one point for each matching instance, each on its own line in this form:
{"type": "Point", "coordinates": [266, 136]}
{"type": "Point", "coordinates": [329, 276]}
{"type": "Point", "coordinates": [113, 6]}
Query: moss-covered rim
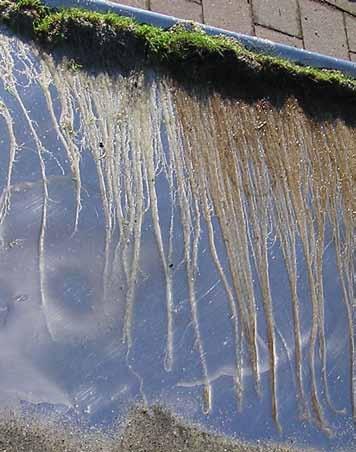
{"type": "Point", "coordinates": [183, 45]}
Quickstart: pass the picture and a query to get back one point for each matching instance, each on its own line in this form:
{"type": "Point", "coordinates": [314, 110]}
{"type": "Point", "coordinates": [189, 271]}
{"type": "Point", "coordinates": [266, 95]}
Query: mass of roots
{"type": "Point", "coordinates": [246, 171]}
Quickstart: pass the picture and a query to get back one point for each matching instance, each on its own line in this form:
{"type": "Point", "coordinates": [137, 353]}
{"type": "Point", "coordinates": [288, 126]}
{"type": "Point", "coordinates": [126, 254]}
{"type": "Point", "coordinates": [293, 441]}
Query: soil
{"type": "Point", "coordinates": [153, 430]}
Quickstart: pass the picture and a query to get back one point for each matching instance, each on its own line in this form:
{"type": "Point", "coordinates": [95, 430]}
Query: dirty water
{"type": "Point", "coordinates": [167, 247]}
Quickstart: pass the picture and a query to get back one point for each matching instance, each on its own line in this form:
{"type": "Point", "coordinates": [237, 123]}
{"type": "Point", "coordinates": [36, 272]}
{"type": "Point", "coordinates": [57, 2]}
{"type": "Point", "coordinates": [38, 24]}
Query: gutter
{"type": "Point", "coordinates": [299, 56]}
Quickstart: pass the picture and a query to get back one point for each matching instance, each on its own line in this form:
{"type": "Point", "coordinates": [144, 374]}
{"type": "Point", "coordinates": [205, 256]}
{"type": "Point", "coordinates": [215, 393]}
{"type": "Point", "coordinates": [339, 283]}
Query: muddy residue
{"type": "Point", "coordinates": [144, 431]}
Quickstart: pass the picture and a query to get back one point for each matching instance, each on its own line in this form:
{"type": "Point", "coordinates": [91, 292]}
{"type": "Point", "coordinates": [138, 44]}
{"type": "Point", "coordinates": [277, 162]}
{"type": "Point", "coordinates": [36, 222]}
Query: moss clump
{"type": "Point", "coordinates": [22, 14]}
{"type": "Point", "coordinates": [186, 51]}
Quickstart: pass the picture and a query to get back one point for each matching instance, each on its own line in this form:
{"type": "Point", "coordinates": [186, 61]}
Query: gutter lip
{"type": "Point", "coordinates": [259, 45]}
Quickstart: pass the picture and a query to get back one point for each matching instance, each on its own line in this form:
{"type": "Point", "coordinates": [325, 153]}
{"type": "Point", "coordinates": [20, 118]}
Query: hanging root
{"type": "Point", "coordinates": [239, 173]}
{"type": "Point", "coordinates": [5, 202]}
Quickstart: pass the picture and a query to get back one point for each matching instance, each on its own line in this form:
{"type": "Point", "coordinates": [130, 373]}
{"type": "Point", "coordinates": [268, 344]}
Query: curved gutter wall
{"type": "Point", "coordinates": [299, 56]}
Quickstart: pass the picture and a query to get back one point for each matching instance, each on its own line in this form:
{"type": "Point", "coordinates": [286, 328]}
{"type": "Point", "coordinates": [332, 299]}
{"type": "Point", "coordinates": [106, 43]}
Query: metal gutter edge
{"type": "Point", "coordinates": [299, 56]}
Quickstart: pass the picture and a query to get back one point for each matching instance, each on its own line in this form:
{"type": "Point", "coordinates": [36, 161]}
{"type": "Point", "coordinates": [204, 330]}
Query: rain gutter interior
{"type": "Point", "coordinates": [299, 56]}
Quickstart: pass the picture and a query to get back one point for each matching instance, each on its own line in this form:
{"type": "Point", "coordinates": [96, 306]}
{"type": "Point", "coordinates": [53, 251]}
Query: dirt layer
{"type": "Point", "coordinates": [153, 430]}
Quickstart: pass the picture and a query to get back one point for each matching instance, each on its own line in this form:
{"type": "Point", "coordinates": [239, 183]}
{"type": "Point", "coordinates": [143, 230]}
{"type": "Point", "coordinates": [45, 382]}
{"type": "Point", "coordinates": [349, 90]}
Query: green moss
{"type": "Point", "coordinates": [184, 48]}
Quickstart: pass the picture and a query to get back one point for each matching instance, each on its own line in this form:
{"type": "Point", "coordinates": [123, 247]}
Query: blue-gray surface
{"type": "Point", "coordinates": [121, 281]}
